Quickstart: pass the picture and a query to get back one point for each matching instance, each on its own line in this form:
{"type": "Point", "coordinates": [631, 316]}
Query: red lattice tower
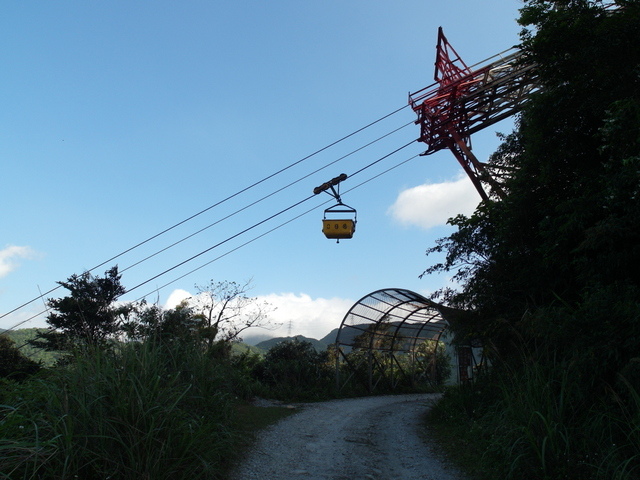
{"type": "Point", "coordinates": [465, 100]}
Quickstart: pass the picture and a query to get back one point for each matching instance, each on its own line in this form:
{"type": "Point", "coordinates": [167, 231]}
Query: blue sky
{"type": "Point", "coordinates": [121, 119]}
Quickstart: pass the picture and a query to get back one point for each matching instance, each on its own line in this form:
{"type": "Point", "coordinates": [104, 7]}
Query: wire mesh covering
{"type": "Point", "coordinates": [391, 336]}
{"type": "Point", "coordinates": [392, 315]}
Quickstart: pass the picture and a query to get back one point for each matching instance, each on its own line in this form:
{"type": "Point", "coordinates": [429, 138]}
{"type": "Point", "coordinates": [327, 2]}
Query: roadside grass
{"type": "Point", "coordinates": [143, 412]}
{"type": "Point", "coordinates": [148, 411]}
{"type": "Point", "coordinates": [458, 434]}
{"type": "Point", "coordinates": [251, 419]}
{"type": "Point", "coordinates": [539, 422]}
{"type": "Point", "coordinates": [452, 443]}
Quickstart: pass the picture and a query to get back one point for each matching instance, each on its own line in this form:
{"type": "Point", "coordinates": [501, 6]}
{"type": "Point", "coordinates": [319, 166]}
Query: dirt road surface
{"type": "Point", "coordinates": [371, 438]}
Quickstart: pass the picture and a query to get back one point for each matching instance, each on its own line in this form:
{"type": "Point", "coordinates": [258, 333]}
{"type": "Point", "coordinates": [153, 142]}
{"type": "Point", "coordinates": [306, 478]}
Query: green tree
{"type": "Point", "coordinates": [550, 273]}
{"type": "Point", "coordinates": [153, 323]}
{"type": "Point", "coordinates": [226, 310]}
{"type": "Point", "coordinates": [554, 263]}
{"type": "Point", "coordinates": [430, 358]}
{"type": "Point", "coordinates": [294, 367]}
{"type": "Point", "coordinates": [88, 317]}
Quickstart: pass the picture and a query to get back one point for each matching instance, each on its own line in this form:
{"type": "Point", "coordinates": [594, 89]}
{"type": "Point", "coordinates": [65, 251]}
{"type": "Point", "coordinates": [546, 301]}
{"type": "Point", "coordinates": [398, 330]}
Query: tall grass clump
{"type": "Point", "coordinates": [144, 411]}
{"type": "Point", "coordinates": [536, 418]}
{"type": "Point", "coordinates": [538, 421]}
{"type": "Point", "coordinates": [617, 427]}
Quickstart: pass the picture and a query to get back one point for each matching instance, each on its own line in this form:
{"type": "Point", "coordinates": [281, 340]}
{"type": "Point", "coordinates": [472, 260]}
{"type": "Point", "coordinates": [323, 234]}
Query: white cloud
{"type": "Point", "coordinates": [313, 318]}
{"type": "Point", "coordinates": [30, 317]}
{"type": "Point", "coordinates": [9, 255]}
{"type": "Point", "coordinates": [430, 205]}
{"type": "Point", "coordinates": [176, 297]}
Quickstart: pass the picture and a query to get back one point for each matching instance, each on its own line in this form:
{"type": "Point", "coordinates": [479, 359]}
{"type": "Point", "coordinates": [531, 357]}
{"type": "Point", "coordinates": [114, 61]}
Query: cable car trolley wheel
{"type": "Point", "coordinates": [339, 222]}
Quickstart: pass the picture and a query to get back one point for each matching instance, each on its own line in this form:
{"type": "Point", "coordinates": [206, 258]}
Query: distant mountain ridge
{"type": "Point", "coordinates": [348, 336]}
{"type": "Point", "coordinates": [319, 345]}
{"type": "Point", "coordinates": [266, 343]}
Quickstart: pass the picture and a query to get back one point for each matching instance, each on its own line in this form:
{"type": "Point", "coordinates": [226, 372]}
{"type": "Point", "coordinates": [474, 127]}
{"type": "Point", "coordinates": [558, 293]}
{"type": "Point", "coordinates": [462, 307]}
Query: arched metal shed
{"type": "Point", "coordinates": [393, 336]}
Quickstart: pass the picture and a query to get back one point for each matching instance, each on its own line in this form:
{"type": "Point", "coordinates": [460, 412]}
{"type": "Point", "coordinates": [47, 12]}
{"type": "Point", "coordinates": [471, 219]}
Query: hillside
{"type": "Point", "coordinates": [267, 344]}
{"type": "Point", "coordinates": [319, 345]}
{"type": "Point", "coordinates": [348, 335]}
{"type": "Point", "coordinates": [21, 338]}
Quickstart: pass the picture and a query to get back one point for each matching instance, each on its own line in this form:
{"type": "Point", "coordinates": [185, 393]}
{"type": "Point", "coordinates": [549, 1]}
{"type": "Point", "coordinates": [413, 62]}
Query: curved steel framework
{"type": "Point", "coordinates": [391, 336]}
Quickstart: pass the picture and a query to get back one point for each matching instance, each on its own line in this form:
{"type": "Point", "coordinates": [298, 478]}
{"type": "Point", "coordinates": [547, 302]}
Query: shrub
{"type": "Point", "coordinates": [293, 369]}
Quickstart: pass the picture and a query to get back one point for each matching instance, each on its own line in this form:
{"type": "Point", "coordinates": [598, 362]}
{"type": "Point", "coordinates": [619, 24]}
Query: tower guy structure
{"type": "Point", "coordinates": [464, 100]}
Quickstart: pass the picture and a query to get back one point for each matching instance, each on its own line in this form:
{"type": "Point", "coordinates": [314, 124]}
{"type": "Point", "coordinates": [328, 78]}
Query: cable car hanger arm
{"type": "Point", "coordinates": [329, 185]}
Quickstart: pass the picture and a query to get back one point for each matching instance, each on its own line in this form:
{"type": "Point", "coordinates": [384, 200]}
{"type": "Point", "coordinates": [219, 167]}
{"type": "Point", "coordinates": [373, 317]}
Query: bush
{"type": "Point", "coordinates": [293, 369]}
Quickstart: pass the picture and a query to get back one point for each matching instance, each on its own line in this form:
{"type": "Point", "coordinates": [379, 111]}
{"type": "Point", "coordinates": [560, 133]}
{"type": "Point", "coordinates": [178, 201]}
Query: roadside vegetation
{"type": "Point", "coordinates": [137, 391]}
{"type": "Point", "coordinates": [548, 277]}
{"type": "Point", "coordinates": [549, 274]}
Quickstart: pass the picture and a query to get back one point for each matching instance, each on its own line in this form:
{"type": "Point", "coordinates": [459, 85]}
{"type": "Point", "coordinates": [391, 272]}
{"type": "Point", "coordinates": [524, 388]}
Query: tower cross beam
{"type": "Point", "coordinates": [465, 100]}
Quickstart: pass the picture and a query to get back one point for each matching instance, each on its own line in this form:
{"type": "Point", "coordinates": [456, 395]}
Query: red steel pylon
{"type": "Point", "coordinates": [465, 100]}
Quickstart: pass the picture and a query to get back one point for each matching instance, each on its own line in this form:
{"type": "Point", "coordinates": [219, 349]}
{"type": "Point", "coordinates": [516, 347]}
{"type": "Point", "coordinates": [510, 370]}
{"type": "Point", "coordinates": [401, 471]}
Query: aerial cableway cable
{"type": "Point", "coordinates": [157, 289]}
{"type": "Point", "coordinates": [265, 197]}
{"type": "Point", "coordinates": [193, 257]}
{"type": "Point", "coordinates": [42, 295]}
{"type": "Point", "coordinates": [220, 220]}
{"type": "Point", "coordinates": [261, 222]}
{"type": "Point", "coordinates": [255, 225]}
{"type": "Point", "coordinates": [306, 212]}
{"type": "Point", "coordinates": [250, 228]}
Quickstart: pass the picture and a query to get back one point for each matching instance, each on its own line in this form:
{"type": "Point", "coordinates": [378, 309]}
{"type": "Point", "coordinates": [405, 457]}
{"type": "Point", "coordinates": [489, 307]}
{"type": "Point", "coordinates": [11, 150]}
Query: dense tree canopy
{"type": "Point", "coordinates": [88, 315]}
{"type": "Point", "coordinates": [555, 263]}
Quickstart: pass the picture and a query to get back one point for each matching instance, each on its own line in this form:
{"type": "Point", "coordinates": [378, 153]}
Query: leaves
{"type": "Point", "coordinates": [88, 316]}
{"type": "Point", "coordinates": [568, 227]}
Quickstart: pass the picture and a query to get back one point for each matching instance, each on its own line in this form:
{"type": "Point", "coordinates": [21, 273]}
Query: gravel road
{"type": "Point", "coordinates": [361, 438]}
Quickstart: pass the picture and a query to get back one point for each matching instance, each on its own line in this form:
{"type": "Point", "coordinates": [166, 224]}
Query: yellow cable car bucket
{"type": "Point", "coordinates": [339, 222]}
